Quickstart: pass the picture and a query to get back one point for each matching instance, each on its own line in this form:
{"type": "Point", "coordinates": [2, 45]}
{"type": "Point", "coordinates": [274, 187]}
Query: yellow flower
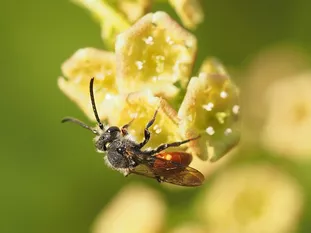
{"type": "Point", "coordinates": [140, 107]}
{"type": "Point", "coordinates": [190, 12]}
{"type": "Point", "coordinates": [154, 54]}
{"type": "Point", "coordinates": [134, 9]}
{"type": "Point", "coordinates": [210, 108]}
{"type": "Point", "coordinates": [112, 21]}
{"type": "Point", "coordinates": [154, 58]}
{"type": "Point", "coordinates": [136, 209]}
{"type": "Point", "coordinates": [252, 199]}
{"type": "Point", "coordinates": [79, 69]}
{"type": "Point", "coordinates": [115, 16]}
{"type": "Point", "coordinates": [288, 125]}
{"type": "Point", "coordinates": [268, 66]}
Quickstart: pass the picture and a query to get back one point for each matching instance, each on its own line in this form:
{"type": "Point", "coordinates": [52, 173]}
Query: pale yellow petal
{"type": "Point", "coordinates": [79, 69]}
{"type": "Point", "coordinates": [211, 108]}
{"type": "Point", "coordinates": [112, 21]}
{"type": "Point", "coordinates": [252, 199]}
{"type": "Point", "coordinates": [141, 107]}
{"type": "Point", "coordinates": [134, 9]}
{"type": "Point", "coordinates": [136, 209]}
{"type": "Point", "coordinates": [287, 130]}
{"type": "Point", "coordinates": [268, 66]}
{"type": "Point", "coordinates": [155, 53]}
{"type": "Point", "coordinates": [190, 12]}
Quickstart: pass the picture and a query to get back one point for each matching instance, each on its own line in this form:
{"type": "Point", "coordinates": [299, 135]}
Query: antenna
{"type": "Point", "coordinates": [76, 121]}
{"type": "Point", "coordinates": [101, 126]}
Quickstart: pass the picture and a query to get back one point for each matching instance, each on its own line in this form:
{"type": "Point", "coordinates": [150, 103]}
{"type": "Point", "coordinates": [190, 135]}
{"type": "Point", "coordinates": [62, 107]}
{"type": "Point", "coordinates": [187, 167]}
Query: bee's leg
{"type": "Point", "coordinates": [165, 146]}
{"type": "Point", "coordinates": [146, 132]}
{"type": "Point", "coordinates": [159, 179]}
{"type": "Point", "coordinates": [126, 172]}
{"type": "Point", "coordinates": [125, 127]}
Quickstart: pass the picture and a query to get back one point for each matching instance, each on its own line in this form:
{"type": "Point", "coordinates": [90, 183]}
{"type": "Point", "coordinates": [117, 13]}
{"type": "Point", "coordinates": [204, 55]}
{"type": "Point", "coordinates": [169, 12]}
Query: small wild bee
{"type": "Point", "coordinates": [127, 156]}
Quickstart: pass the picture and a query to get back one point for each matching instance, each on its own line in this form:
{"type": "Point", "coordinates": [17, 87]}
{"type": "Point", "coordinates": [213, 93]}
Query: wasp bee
{"type": "Point", "coordinates": [127, 156]}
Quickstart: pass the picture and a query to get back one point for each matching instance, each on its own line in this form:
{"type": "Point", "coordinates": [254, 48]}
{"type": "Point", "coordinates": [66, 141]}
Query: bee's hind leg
{"type": "Point", "coordinates": [126, 172]}
{"type": "Point", "coordinates": [165, 146]}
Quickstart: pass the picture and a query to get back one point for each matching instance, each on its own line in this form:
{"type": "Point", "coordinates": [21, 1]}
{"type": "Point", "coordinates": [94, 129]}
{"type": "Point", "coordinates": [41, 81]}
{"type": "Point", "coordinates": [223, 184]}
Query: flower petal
{"type": "Point", "coordinates": [110, 18]}
{"type": "Point", "coordinates": [253, 198]}
{"type": "Point", "coordinates": [134, 9]}
{"type": "Point", "coordinates": [141, 107]}
{"type": "Point", "coordinates": [268, 66]}
{"type": "Point", "coordinates": [287, 129]}
{"type": "Point", "coordinates": [154, 54]}
{"type": "Point", "coordinates": [79, 69]}
{"type": "Point", "coordinates": [210, 108]}
{"type": "Point", "coordinates": [190, 12]}
{"type": "Point", "coordinates": [136, 209]}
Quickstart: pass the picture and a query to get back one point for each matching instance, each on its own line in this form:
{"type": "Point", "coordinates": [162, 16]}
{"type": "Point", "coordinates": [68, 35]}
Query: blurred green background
{"type": "Point", "coordinates": [52, 180]}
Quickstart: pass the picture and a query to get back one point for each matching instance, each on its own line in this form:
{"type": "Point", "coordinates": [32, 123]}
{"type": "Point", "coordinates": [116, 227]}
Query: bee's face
{"type": "Point", "coordinates": [111, 134]}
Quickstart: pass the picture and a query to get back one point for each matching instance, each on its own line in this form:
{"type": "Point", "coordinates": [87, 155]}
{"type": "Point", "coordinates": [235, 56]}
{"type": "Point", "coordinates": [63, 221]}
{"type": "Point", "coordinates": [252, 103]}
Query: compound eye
{"type": "Point", "coordinates": [113, 129]}
{"type": "Point", "coordinates": [119, 150]}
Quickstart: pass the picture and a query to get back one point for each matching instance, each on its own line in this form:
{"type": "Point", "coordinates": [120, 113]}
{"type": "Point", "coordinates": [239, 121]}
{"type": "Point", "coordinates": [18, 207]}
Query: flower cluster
{"type": "Point", "coordinates": [149, 69]}
{"type": "Point", "coordinates": [115, 16]}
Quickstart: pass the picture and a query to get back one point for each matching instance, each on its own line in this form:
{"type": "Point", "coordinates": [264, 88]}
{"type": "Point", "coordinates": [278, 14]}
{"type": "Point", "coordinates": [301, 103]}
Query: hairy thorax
{"type": "Point", "coordinates": [120, 153]}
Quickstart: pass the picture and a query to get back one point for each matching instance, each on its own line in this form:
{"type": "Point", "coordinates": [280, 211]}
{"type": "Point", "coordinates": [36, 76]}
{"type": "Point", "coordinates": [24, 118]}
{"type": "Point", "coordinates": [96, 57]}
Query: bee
{"type": "Point", "coordinates": [127, 156]}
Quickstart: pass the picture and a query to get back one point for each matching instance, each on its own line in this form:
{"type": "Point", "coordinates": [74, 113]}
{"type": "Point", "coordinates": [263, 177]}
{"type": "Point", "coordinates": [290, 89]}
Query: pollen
{"type": "Point", "coordinates": [223, 94]}
{"type": "Point", "coordinates": [140, 65]}
{"type": "Point", "coordinates": [228, 131]}
{"type": "Point", "coordinates": [157, 129]}
{"type": "Point", "coordinates": [210, 130]}
{"type": "Point", "coordinates": [169, 40]}
{"type": "Point", "coordinates": [168, 157]}
{"type": "Point", "coordinates": [236, 109]}
{"type": "Point", "coordinates": [208, 107]}
{"type": "Point", "coordinates": [148, 40]}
